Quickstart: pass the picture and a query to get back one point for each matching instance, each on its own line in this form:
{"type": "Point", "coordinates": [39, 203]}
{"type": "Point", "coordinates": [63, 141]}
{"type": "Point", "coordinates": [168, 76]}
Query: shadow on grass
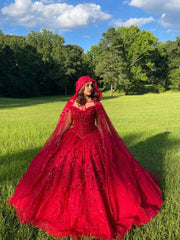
{"type": "Point", "coordinates": [10, 163]}
{"type": "Point", "coordinates": [109, 97]}
{"type": "Point", "coordinates": [149, 153]}
{"type": "Point", "coordinates": [25, 102]}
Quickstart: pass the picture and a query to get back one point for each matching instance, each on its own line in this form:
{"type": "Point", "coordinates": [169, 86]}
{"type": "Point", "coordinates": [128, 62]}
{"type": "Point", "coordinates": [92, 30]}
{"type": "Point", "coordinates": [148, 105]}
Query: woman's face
{"type": "Point", "coordinates": [88, 88]}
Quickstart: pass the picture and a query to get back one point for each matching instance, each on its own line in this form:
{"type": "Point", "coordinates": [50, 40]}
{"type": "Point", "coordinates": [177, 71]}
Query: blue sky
{"type": "Point", "coordinates": [83, 22]}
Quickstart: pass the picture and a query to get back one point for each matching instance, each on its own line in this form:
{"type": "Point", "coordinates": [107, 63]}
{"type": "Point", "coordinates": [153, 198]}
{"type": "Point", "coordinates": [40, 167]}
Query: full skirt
{"type": "Point", "coordinates": [75, 195]}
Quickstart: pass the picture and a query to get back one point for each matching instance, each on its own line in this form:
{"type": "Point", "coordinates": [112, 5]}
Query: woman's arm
{"type": "Point", "coordinates": [64, 123]}
{"type": "Point", "coordinates": [67, 124]}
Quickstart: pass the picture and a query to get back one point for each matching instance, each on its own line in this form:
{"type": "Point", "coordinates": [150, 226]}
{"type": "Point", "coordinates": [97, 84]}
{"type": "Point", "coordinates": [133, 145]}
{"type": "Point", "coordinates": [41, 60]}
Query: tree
{"type": "Point", "coordinates": [138, 49]}
{"type": "Point", "coordinates": [50, 47]}
{"type": "Point", "coordinates": [110, 59]}
{"type": "Point", "coordinates": [173, 51]}
{"type": "Point", "coordinates": [93, 54]}
{"type": "Point", "coordinates": [72, 66]}
{"type": "Point", "coordinates": [7, 67]}
{"type": "Point", "coordinates": [125, 60]}
{"type": "Point", "coordinates": [13, 76]}
{"type": "Point", "coordinates": [158, 75]}
{"type": "Point", "coordinates": [87, 65]}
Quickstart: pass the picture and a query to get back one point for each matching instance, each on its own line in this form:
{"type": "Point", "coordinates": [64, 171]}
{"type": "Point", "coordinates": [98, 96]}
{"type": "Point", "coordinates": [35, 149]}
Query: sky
{"type": "Point", "coordinates": [83, 22]}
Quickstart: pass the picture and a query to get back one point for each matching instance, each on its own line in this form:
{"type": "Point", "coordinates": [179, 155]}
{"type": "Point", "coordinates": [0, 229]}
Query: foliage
{"type": "Point", "coordinates": [108, 60]}
{"type": "Point", "coordinates": [39, 64]}
{"type": "Point", "coordinates": [72, 65]}
{"type": "Point", "coordinates": [173, 50]}
{"type": "Point", "coordinates": [125, 59]}
{"type": "Point", "coordinates": [129, 58]}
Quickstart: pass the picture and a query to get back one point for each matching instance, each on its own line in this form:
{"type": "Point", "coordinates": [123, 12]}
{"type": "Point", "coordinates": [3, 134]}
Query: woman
{"type": "Point", "coordinates": [85, 181]}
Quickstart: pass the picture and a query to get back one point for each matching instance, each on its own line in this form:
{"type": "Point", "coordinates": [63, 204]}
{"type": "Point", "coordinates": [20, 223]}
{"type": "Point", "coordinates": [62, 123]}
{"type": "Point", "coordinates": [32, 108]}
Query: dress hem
{"type": "Point", "coordinates": [78, 235]}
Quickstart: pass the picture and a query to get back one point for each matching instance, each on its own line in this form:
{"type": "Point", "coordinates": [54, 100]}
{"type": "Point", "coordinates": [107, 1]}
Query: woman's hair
{"type": "Point", "coordinates": [81, 98]}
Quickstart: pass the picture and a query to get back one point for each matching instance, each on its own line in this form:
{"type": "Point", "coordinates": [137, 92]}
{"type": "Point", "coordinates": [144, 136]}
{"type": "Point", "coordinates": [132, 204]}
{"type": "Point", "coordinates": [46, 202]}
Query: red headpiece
{"type": "Point", "coordinates": [81, 81]}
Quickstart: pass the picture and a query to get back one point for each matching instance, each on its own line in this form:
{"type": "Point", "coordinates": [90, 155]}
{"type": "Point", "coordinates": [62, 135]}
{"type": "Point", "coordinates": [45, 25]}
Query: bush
{"type": "Point", "coordinates": [158, 89]}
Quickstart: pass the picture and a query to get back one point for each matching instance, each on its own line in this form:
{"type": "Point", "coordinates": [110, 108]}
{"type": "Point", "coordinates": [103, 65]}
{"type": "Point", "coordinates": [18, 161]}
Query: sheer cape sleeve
{"type": "Point", "coordinates": [119, 163]}
{"type": "Point", "coordinates": [42, 160]}
{"type": "Point", "coordinates": [64, 123]}
{"type": "Point", "coordinates": [113, 144]}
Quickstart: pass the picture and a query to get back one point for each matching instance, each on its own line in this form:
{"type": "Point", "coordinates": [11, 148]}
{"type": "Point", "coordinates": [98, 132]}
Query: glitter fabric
{"type": "Point", "coordinates": [87, 183]}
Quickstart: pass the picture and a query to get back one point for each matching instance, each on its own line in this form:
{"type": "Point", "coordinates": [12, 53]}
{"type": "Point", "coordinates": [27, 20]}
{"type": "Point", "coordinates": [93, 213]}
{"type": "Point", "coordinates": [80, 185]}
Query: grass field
{"type": "Point", "coordinates": [148, 124]}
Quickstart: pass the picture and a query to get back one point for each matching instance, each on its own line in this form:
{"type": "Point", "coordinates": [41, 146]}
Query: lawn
{"type": "Point", "coordinates": [148, 124]}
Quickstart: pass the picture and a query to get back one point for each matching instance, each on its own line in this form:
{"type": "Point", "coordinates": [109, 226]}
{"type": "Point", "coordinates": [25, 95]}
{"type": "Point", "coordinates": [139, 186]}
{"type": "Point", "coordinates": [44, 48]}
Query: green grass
{"type": "Point", "coordinates": [148, 124]}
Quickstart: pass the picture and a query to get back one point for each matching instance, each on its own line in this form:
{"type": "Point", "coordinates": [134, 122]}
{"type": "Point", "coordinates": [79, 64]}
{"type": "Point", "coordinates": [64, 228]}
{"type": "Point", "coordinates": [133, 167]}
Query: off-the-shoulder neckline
{"type": "Point", "coordinates": [83, 109]}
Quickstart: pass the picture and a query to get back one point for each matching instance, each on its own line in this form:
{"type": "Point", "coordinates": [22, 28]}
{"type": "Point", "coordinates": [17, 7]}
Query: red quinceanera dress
{"type": "Point", "coordinates": [88, 184]}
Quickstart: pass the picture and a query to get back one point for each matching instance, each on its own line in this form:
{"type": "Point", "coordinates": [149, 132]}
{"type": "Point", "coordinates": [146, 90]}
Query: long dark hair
{"type": "Point", "coordinates": [81, 98]}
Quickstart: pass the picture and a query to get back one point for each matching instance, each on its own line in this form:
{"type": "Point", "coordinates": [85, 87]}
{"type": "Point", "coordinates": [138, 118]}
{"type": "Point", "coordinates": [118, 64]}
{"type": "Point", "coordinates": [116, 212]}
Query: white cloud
{"type": "Point", "coordinates": [59, 16]}
{"type": "Point", "coordinates": [86, 36]}
{"type": "Point", "coordinates": [169, 10]}
{"type": "Point", "coordinates": [148, 5]}
{"type": "Point", "coordinates": [50, 1]}
{"type": "Point", "coordinates": [133, 21]}
{"type": "Point", "coordinates": [125, 2]}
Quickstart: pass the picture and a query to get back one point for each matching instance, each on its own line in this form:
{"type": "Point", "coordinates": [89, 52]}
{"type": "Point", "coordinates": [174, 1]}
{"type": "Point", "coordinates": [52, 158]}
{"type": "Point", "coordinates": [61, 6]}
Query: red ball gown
{"type": "Point", "coordinates": [85, 181]}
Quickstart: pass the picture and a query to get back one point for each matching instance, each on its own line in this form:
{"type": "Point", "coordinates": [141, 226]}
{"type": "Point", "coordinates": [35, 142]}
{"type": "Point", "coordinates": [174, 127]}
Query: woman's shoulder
{"type": "Point", "coordinates": [97, 103]}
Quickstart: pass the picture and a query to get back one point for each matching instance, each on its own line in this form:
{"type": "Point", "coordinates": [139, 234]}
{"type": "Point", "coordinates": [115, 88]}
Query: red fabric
{"type": "Point", "coordinates": [85, 181]}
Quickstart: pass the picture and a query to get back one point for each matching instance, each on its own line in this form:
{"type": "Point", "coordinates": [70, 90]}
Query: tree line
{"type": "Point", "coordinates": [125, 59]}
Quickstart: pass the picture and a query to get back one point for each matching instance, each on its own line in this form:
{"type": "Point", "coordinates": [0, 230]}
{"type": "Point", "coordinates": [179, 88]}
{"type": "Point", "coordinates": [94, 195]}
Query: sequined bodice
{"type": "Point", "coordinates": [84, 120]}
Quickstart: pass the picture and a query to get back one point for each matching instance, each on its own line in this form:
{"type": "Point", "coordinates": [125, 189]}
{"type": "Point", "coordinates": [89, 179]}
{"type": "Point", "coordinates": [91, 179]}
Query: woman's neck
{"type": "Point", "coordinates": [88, 99]}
